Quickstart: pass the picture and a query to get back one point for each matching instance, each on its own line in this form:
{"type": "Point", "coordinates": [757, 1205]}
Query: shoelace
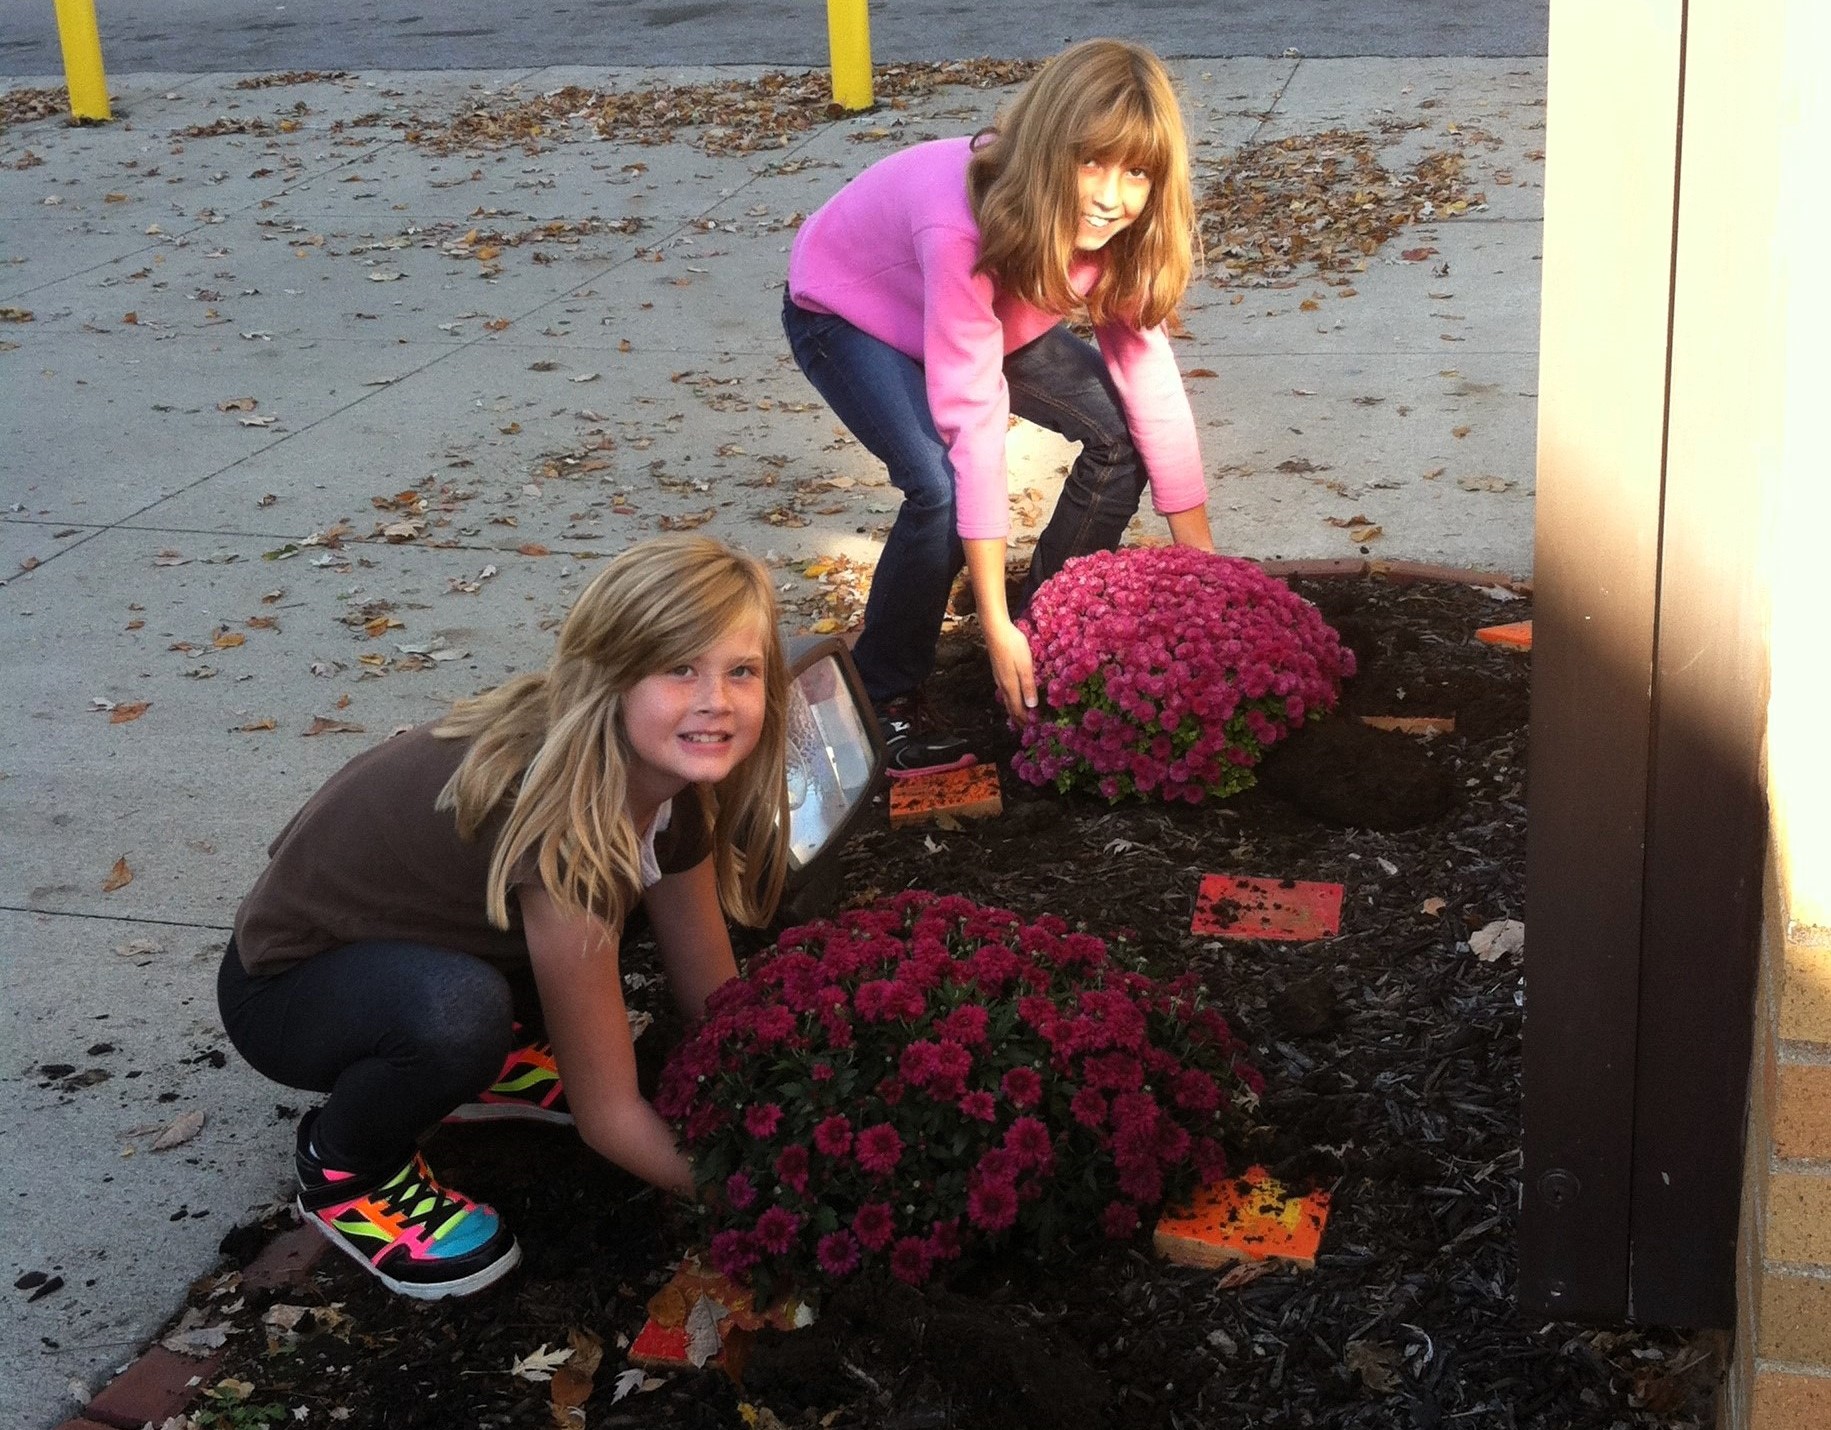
{"type": "Point", "coordinates": [416, 1186]}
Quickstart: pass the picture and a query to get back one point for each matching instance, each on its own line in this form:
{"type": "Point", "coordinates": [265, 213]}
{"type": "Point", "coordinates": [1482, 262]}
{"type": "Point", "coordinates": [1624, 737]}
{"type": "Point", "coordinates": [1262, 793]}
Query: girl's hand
{"type": "Point", "coordinates": [1009, 649]}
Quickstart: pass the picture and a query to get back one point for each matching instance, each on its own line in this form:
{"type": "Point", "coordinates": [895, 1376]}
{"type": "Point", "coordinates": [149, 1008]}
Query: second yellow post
{"type": "Point", "coordinates": [81, 39]}
{"type": "Point", "coordinates": [848, 24]}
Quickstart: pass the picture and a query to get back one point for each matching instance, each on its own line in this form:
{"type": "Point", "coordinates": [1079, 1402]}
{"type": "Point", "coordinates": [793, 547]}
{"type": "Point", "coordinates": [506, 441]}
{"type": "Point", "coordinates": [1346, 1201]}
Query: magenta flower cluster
{"type": "Point", "coordinates": [1168, 672]}
{"type": "Point", "coordinates": [907, 1082]}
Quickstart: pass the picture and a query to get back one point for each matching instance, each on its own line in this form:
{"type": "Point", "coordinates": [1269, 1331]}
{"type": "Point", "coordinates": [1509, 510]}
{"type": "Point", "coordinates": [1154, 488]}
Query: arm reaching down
{"type": "Point", "coordinates": [581, 996]}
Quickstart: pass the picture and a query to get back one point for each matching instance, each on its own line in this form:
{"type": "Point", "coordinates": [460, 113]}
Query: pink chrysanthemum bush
{"type": "Point", "coordinates": [911, 1081]}
{"type": "Point", "coordinates": [1168, 672]}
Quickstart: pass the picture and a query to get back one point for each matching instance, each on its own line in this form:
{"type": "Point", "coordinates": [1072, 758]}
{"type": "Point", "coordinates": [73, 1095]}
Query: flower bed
{"type": "Point", "coordinates": [926, 1076]}
{"type": "Point", "coordinates": [1169, 672]}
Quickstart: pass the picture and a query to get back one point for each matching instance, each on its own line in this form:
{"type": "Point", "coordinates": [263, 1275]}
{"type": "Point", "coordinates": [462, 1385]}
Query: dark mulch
{"type": "Point", "coordinates": [1393, 1060]}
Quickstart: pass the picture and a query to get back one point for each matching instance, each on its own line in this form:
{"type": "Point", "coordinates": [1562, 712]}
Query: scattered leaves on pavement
{"type": "Point", "coordinates": [23, 106]}
{"type": "Point", "coordinates": [119, 877]}
{"type": "Point", "coordinates": [271, 81]}
{"type": "Point", "coordinates": [723, 117]}
{"type": "Point", "coordinates": [1322, 200]}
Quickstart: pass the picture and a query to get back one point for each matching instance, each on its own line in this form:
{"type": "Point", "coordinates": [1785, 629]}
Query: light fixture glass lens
{"type": "Point", "coordinates": [829, 758]}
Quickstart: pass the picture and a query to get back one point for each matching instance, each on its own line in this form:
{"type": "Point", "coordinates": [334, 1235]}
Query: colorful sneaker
{"type": "Point", "coordinates": [416, 1237]}
{"type": "Point", "coordinates": [527, 1090]}
{"type": "Point", "coordinates": [911, 746]}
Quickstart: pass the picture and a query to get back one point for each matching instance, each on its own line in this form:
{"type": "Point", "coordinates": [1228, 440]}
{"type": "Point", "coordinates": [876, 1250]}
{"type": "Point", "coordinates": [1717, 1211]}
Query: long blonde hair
{"type": "Point", "coordinates": [1107, 100]}
{"type": "Point", "coordinates": [551, 747]}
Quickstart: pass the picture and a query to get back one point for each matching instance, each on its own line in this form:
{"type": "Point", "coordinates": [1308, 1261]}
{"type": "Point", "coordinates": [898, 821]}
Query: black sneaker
{"type": "Point", "coordinates": [911, 747]}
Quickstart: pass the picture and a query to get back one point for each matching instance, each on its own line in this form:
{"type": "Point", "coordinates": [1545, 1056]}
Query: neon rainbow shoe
{"type": "Point", "coordinates": [416, 1237]}
{"type": "Point", "coordinates": [527, 1090]}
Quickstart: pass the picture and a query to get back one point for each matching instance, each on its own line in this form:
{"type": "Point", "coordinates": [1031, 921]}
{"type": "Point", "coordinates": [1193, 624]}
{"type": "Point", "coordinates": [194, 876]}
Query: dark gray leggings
{"type": "Point", "coordinates": [397, 1033]}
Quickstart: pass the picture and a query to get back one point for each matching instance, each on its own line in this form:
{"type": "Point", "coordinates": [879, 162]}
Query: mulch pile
{"type": "Point", "coordinates": [1392, 1054]}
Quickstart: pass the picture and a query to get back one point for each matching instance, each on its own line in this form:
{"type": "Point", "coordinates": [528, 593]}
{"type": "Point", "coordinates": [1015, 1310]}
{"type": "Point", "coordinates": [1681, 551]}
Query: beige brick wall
{"type": "Point", "coordinates": [1780, 1375]}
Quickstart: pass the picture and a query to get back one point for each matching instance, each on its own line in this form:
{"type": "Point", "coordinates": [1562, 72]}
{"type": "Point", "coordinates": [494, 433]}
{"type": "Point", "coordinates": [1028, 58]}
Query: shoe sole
{"type": "Point", "coordinates": [508, 1112]}
{"type": "Point", "coordinates": [960, 764]}
{"type": "Point", "coordinates": [418, 1290]}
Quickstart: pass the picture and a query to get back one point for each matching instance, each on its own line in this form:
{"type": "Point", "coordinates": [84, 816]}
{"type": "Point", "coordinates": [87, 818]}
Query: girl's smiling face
{"type": "Point", "coordinates": [696, 723]}
{"type": "Point", "coordinates": [1111, 195]}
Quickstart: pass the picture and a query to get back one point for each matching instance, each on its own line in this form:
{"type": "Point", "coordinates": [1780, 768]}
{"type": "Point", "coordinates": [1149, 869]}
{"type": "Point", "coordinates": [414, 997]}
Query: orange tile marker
{"type": "Point", "coordinates": [666, 1339]}
{"type": "Point", "coordinates": [1244, 1218]}
{"type": "Point", "coordinates": [971, 793]}
{"type": "Point", "coordinates": [1425, 725]}
{"type": "Point", "coordinates": [1517, 636]}
{"type": "Point", "coordinates": [1287, 910]}
{"type": "Point", "coordinates": [660, 1347]}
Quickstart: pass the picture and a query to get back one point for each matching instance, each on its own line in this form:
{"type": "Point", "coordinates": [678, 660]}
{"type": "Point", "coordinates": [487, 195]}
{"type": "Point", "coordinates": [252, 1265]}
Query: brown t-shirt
{"type": "Point", "coordinates": [369, 857]}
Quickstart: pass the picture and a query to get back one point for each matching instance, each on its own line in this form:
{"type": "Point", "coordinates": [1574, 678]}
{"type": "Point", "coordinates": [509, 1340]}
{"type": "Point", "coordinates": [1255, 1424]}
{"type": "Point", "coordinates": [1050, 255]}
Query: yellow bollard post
{"type": "Point", "coordinates": [82, 43]}
{"type": "Point", "coordinates": [848, 27]}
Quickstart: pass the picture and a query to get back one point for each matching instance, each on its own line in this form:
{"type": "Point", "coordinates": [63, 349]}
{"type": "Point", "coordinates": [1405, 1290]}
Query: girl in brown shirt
{"type": "Point", "coordinates": [372, 959]}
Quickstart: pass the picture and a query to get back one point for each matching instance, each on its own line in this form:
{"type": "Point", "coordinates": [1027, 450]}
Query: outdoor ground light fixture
{"type": "Point", "coordinates": [835, 760]}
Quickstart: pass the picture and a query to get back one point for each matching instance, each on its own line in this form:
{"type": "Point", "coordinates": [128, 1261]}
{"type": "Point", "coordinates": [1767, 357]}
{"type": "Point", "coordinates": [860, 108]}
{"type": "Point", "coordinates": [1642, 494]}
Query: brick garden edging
{"type": "Point", "coordinates": [160, 1383]}
{"type": "Point", "coordinates": [1399, 573]}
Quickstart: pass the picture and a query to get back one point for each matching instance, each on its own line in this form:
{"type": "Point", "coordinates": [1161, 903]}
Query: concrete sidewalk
{"type": "Point", "coordinates": [312, 429]}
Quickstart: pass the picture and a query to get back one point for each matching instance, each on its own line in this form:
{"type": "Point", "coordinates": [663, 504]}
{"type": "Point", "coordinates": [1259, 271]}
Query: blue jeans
{"type": "Point", "coordinates": [1057, 381]}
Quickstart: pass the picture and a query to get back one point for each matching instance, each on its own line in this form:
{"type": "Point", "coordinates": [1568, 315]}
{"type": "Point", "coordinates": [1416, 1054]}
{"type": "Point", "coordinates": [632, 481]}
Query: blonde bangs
{"type": "Point", "coordinates": [1109, 101]}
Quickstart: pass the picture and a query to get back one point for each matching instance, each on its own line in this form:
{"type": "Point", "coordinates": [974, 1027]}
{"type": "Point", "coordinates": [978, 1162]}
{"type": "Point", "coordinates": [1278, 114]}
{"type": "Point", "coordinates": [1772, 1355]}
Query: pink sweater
{"type": "Point", "coordinates": [892, 253]}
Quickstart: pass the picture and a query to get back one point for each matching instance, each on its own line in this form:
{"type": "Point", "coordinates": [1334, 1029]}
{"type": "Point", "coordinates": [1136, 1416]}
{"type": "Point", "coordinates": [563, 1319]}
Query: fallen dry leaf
{"type": "Point", "coordinates": [191, 1337]}
{"type": "Point", "coordinates": [532, 548]}
{"type": "Point", "coordinates": [496, 325]}
{"type": "Point", "coordinates": [1377, 1365]}
{"type": "Point", "coordinates": [1243, 1274]}
{"type": "Point", "coordinates": [1360, 534]}
{"type": "Point", "coordinates": [1201, 372]}
{"type": "Point", "coordinates": [180, 1131]}
{"type": "Point", "coordinates": [266, 722]}
{"type": "Point", "coordinates": [324, 725]}
{"type": "Point", "coordinates": [1460, 431]}
{"type": "Point", "coordinates": [686, 521]}
{"type": "Point", "coordinates": [1432, 907]}
{"type": "Point", "coordinates": [538, 1365]}
{"type": "Point", "coordinates": [123, 714]}
{"type": "Point", "coordinates": [237, 404]}
{"type": "Point", "coordinates": [1497, 939]}
{"type": "Point", "coordinates": [228, 640]}
{"type": "Point", "coordinates": [119, 877]}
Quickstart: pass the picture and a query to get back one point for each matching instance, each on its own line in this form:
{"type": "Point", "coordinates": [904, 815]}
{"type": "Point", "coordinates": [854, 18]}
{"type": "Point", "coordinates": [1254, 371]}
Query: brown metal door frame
{"type": "Point", "coordinates": [1647, 822]}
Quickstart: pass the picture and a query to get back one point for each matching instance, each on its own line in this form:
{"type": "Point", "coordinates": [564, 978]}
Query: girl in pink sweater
{"type": "Point", "coordinates": [926, 303]}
